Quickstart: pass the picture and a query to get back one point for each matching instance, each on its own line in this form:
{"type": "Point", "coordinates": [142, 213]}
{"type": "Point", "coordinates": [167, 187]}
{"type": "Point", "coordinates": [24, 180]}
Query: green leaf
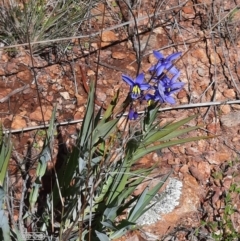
{"type": "Point", "coordinates": [87, 126]}
{"type": "Point", "coordinates": [145, 150]}
{"type": "Point", "coordinates": [109, 110]}
{"type": "Point", "coordinates": [157, 135]}
{"type": "Point", "coordinates": [104, 131]}
{"type": "Point", "coordinates": [5, 154]}
{"type": "Point", "coordinates": [178, 133]}
{"type": "Point", "coordinates": [144, 199]}
{"type": "Point", "coordinates": [102, 236]}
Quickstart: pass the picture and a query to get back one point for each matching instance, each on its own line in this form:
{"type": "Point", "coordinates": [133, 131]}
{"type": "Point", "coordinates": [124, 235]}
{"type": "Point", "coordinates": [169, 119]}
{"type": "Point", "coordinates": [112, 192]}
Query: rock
{"type": "Point", "coordinates": [229, 93]}
{"type": "Point", "coordinates": [4, 92]}
{"type": "Point", "coordinates": [90, 72]}
{"type": "Point", "coordinates": [26, 76]}
{"type": "Point", "coordinates": [231, 120]}
{"type": "Point", "coordinates": [159, 30]}
{"type": "Point", "coordinates": [200, 54]}
{"type": "Point", "coordinates": [214, 57]}
{"type": "Point", "coordinates": [78, 115]}
{"type": "Point", "coordinates": [119, 55]}
{"type": "Point", "coordinates": [225, 109]}
{"type": "Point", "coordinates": [65, 95]}
{"type": "Point", "coordinates": [11, 67]}
{"type": "Point", "coordinates": [188, 10]}
{"type": "Point", "coordinates": [18, 122]}
{"type": "Point", "coordinates": [109, 36]}
{"type": "Point", "coordinates": [201, 72]}
{"type": "Point", "coordinates": [188, 204]}
{"type": "Point", "coordinates": [217, 158]}
{"type": "Point", "coordinates": [101, 96]}
{"type": "Point", "coordinates": [37, 114]}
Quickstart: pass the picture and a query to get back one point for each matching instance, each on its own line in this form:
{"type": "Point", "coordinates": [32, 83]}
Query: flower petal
{"type": "Point", "coordinates": [149, 97]}
{"type": "Point", "coordinates": [173, 56]}
{"type": "Point", "coordinates": [128, 80]}
{"type": "Point", "coordinates": [175, 77]}
{"type": "Point", "coordinates": [132, 115]}
{"type": "Point", "coordinates": [174, 70]}
{"type": "Point", "coordinates": [170, 100]}
{"type": "Point", "coordinates": [144, 86]}
{"type": "Point", "coordinates": [177, 86]}
{"type": "Point", "coordinates": [160, 91]}
{"type": "Point", "coordinates": [139, 79]}
{"type": "Point", "coordinates": [158, 55]}
{"type": "Point", "coordinates": [160, 70]}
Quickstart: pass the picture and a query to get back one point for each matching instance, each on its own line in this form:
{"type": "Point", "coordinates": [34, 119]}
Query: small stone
{"type": "Point", "coordinates": [80, 99]}
{"type": "Point", "coordinates": [214, 57]}
{"type": "Point", "coordinates": [119, 55]}
{"type": "Point", "coordinates": [225, 109]}
{"type": "Point", "coordinates": [94, 45]}
{"type": "Point", "coordinates": [4, 92]}
{"type": "Point", "coordinates": [101, 96]}
{"type": "Point", "coordinates": [229, 93]}
{"type": "Point", "coordinates": [109, 36]}
{"type": "Point", "coordinates": [184, 169]}
{"type": "Point", "coordinates": [151, 59]}
{"type": "Point", "coordinates": [90, 72]}
{"type": "Point", "coordinates": [18, 122]}
{"type": "Point", "coordinates": [78, 115]}
{"type": "Point", "coordinates": [11, 67]}
{"type": "Point", "coordinates": [70, 106]}
{"type": "Point", "coordinates": [200, 54]}
{"type": "Point", "coordinates": [231, 120]}
{"type": "Point", "coordinates": [159, 30]}
{"type": "Point", "coordinates": [37, 114]}
{"type": "Point", "coordinates": [184, 100]}
{"type": "Point", "coordinates": [181, 94]}
{"type": "Point", "coordinates": [201, 72]}
{"type": "Point", "coordinates": [188, 10]}
{"type": "Point", "coordinates": [217, 158]}
{"type": "Point", "coordinates": [236, 106]}
{"type": "Point", "coordinates": [235, 139]}
{"type": "Point", "coordinates": [65, 95]}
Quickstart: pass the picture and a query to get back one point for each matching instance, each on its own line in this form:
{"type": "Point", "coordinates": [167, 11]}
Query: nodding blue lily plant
{"type": "Point", "coordinates": [161, 87]}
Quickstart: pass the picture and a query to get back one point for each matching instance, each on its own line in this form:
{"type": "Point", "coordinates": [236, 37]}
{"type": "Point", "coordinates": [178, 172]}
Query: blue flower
{"type": "Point", "coordinates": [132, 115]}
{"type": "Point", "coordinates": [165, 63]}
{"type": "Point", "coordinates": [167, 87]}
{"type": "Point", "coordinates": [137, 86]}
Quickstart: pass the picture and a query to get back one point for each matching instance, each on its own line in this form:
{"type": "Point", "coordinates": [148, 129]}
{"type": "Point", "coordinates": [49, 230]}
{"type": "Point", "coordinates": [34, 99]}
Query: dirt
{"type": "Point", "coordinates": [209, 68]}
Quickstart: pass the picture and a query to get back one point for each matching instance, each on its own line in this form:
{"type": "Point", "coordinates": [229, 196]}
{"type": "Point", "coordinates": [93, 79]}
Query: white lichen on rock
{"type": "Point", "coordinates": [165, 203]}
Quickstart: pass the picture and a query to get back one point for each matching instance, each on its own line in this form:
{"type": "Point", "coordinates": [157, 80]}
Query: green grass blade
{"type": "Point", "coordinates": [167, 130]}
{"type": "Point", "coordinates": [145, 150]}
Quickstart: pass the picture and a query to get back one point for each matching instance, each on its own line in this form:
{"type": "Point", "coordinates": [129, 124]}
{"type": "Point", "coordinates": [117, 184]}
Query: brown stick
{"type": "Point", "coordinates": [14, 92]}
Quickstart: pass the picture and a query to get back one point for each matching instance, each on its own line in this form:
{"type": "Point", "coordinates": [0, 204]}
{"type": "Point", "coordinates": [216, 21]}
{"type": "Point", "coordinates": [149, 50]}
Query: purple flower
{"type": "Point", "coordinates": [165, 63]}
{"type": "Point", "coordinates": [167, 87]}
{"type": "Point", "coordinates": [132, 115]}
{"type": "Point", "coordinates": [137, 85]}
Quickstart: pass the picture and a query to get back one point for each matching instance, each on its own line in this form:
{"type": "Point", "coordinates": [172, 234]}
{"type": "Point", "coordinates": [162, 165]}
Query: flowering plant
{"type": "Point", "coordinates": [161, 87]}
{"type": "Point", "coordinates": [95, 185]}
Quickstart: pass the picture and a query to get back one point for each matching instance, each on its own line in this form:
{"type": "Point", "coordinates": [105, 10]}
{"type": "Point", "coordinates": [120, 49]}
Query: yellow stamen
{"type": "Point", "coordinates": [136, 90]}
{"type": "Point", "coordinates": [150, 102]}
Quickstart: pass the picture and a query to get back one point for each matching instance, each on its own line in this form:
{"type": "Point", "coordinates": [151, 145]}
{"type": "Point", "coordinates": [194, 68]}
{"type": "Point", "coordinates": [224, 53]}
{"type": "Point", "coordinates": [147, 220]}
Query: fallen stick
{"type": "Point", "coordinates": [186, 106]}
{"type": "Point", "coordinates": [14, 92]}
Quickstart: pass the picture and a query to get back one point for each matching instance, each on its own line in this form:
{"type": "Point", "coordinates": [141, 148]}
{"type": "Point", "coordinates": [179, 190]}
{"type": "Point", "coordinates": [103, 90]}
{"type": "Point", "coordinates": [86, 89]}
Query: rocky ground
{"type": "Point", "coordinates": [207, 33]}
